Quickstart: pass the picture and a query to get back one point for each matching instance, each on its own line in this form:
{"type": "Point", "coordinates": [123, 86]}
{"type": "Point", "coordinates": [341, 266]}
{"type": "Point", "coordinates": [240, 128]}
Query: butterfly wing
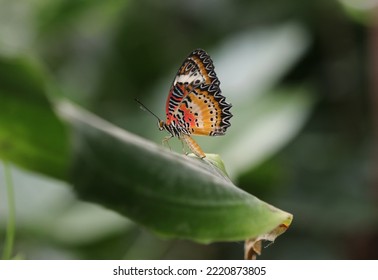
{"type": "Point", "coordinates": [195, 100]}
{"type": "Point", "coordinates": [197, 69]}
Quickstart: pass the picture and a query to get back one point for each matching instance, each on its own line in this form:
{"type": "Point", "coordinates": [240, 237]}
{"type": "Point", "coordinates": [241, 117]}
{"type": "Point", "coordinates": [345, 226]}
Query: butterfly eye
{"type": "Point", "coordinates": [160, 125]}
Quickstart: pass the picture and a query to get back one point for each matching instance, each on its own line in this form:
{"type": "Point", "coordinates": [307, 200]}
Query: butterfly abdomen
{"type": "Point", "coordinates": [193, 146]}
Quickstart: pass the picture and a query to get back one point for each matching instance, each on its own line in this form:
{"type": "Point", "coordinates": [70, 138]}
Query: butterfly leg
{"type": "Point", "coordinates": [165, 141]}
{"type": "Point", "coordinates": [193, 146]}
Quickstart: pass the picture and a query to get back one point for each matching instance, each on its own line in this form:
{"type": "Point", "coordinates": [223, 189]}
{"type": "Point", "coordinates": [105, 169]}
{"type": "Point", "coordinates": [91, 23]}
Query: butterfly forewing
{"type": "Point", "coordinates": [197, 69]}
{"type": "Point", "coordinates": [195, 101]}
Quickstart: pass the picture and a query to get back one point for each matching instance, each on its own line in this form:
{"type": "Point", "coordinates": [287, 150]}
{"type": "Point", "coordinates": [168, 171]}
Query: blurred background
{"type": "Point", "coordinates": [301, 76]}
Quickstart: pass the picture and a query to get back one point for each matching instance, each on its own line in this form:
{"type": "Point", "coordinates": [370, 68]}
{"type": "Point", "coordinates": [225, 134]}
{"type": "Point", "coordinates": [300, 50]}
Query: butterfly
{"type": "Point", "coordinates": [195, 104]}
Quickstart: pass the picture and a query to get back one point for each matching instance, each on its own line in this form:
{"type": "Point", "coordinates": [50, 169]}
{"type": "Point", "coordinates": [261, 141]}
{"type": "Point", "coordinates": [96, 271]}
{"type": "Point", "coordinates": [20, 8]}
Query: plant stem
{"type": "Point", "coordinates": [10, 233]}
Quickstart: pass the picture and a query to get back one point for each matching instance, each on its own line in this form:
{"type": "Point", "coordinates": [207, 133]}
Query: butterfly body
{"type": "Point", "coordinates": [195, 105]}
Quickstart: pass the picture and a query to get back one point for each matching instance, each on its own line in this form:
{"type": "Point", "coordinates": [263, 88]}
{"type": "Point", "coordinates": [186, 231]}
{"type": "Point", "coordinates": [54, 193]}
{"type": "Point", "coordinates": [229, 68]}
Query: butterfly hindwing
{"type": "Point", "coordinates": [204, 111]}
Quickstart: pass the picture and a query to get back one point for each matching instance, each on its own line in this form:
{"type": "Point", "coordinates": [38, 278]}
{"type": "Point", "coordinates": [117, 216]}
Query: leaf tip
{"type": "Point", "coordinates": [253, 246]}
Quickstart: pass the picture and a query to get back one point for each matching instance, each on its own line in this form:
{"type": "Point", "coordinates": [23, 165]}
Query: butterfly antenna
{"type": "Point", "coordinates": [144, 108]}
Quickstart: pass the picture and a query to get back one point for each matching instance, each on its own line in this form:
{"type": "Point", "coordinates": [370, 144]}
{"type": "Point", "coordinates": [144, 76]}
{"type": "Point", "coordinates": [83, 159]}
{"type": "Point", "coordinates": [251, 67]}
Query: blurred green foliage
{"type": "Point", "coordinates": [302, 135]}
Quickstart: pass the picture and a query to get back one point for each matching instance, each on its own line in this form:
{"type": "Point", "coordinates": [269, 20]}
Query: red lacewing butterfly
{"type": "Point", "coordinates": [195, 104]}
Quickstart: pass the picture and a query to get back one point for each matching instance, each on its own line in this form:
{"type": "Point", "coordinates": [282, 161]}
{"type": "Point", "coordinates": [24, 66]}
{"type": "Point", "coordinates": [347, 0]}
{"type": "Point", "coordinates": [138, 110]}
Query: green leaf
{"type": "Point", "coordinates": [31, 135]}
{"type": "Point", "coordinates": [171, 194]}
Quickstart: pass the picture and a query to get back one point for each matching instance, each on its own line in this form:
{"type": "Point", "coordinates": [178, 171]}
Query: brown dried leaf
{"type": "Point", "coordinates": [253, 246]}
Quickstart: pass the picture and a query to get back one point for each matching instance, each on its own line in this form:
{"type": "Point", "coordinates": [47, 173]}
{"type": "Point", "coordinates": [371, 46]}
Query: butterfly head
{"type": "Point", "coordinates": [161, 125]}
